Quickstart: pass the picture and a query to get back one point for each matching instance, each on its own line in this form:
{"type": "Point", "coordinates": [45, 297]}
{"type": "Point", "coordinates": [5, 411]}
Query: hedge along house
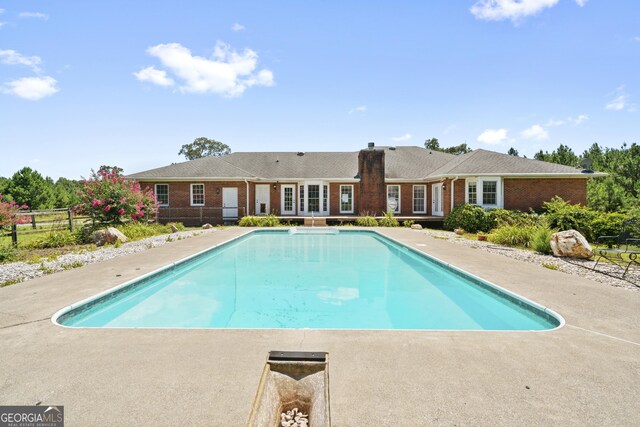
{"type": "Point", "coordinates": [412, 182]}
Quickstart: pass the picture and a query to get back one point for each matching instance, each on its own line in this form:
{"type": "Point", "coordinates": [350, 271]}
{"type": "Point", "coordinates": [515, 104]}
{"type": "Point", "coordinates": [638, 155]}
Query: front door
{"type": "Point", "coordinates": [262, 199]}
{"type": "Point", "coordinates": [436, 200]}
{"type": "Point", "coordinates": [288, 195]}
{"type": "Point", "coordinates": [229, 203]}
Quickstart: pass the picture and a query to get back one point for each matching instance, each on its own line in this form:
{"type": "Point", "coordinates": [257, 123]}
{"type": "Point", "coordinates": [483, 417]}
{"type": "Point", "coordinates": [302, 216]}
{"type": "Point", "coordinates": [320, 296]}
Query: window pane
{"type": "Point", "coordinates": [162, 194]}
{"type": "Point", "coordinates": [393, 198]}
{"type": "Point", "coordinates": [302, 198]}
{"type": "Point", "coordinates": [489, 192]}
{"type": "Point", "coordinates": [473, 193]}
{"type": "Point", "coordinates": [197, 194]}
{"type": "Point", "coordinates": [325, 198]}
{"type": "Point", "coordinates": [314, 198]}
{"type": "Point", "coordinates": [346, 198]}
{"type": "Point", "coordinates": [418, 198]}
{"type": "Point", "coordinates": [288, 199]}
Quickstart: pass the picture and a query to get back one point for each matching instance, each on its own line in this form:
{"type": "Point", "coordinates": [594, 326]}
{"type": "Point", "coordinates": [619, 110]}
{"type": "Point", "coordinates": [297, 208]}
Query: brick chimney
{"type": "Point", "coordinates": [373, 193]}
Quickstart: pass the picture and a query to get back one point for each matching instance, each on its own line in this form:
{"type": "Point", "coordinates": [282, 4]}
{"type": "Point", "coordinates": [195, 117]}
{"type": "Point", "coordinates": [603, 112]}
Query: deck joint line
{"type": "Point", "coordinates": [23, 323]}
{"type": "Point", "coordinates": [605, 335]}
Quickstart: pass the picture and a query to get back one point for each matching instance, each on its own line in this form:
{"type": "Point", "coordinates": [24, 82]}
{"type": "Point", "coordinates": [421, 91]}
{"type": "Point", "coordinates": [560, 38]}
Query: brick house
{"type": "Point", "coordinates": [412, 182]}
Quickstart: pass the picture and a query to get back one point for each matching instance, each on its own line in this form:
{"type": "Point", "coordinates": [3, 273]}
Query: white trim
{"type": "Point", "coordinates": [191, 194]}
{"type": "Point", "coordinates": [480, 180]}
{"type": "Point", "coordinates": [521, 175]}
{"type": "Point", "coordinates": [399, 207]}
{"type": "Point", "coordinates": [303, 208]}
{"type": "Point", "coordinates": [155, 191]}
{"type": "Point", "coordinates": [293, 199]}
{"type": "Point", "coordinates": [437, 189]}
{"type": "Point", "coordinates": [424, 198]}
{"type": "Point", "coordinates": [340, 198]}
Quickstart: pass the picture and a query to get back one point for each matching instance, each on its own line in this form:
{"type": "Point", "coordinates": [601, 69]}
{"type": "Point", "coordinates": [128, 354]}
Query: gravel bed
{"type": "Point", "coordinates": [22, 271]}
{"type": "Point", "coordinates": [607, 273]}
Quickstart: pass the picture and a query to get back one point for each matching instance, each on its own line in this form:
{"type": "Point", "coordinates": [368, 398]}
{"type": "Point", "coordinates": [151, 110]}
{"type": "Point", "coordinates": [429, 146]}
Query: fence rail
{"type": "Point", "coordinates": [58, 219]}
{"type": "Point", "coordinates": [200, 215]}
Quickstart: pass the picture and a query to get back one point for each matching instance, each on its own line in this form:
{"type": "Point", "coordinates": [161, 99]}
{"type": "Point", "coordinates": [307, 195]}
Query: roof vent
{"type": "Point", "coordinates": [392, 148]}
{"type": "Point", "coordinates": [371, 145]}
{"type": "Point", "coordinates": [300, 153]}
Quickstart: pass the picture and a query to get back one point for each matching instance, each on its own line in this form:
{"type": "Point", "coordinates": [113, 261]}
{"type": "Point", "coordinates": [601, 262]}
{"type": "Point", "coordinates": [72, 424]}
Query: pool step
{"type": "Point", "coordinates": [313, 230]}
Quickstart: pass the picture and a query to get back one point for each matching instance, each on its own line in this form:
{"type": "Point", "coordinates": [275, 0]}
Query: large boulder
{"type": "Point", "coordinates": [570, 244]}
{"type": "Point", "coordinates": [109, 235]}
{"type": "Point", "coordinates": [416, 227]}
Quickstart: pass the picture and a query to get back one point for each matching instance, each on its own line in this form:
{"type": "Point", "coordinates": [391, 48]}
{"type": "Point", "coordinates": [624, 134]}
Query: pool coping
{"type": "Point", "coordinates": [500, 291]}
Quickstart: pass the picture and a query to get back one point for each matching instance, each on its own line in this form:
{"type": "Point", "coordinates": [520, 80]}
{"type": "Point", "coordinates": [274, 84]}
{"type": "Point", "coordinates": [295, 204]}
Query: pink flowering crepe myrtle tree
{"type": "Point", "coordinates": [110, 198]}
{"type": "Point", "coordinates": [10, 214]}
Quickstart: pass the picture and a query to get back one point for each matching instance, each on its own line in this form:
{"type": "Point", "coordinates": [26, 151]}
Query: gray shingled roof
{"type": "Point", "coordinates": [484, 162]}
{"type": "Point", "coordinates": [411, 163]}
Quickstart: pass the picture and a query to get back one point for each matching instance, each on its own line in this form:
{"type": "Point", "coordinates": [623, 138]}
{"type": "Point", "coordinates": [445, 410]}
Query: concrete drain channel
{"type": "Point", "coordinates": [293, 391]}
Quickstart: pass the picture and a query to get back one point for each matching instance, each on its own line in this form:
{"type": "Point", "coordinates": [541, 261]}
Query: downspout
{"type": "Point", "coordinates": [453, 192]}
{"type": "Point", "coordinates": [247, 205]}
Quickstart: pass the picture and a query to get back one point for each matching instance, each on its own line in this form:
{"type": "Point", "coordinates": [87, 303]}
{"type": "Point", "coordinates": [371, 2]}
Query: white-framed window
{"type": "Point", "coordinates": [393, 198]}
{"type": "Point", "coordinates": [325, 198]}
{"type": "Point", "coordinates": [162, 194]}
{"type": "Point", "coordinates": [419, 199]}
{"type": "Point", "coordinates": [314, 198]}
{"type": "Point", "coordinates": [301, 198]}
{"type": "Point", "coordinates": [484, 191]}
{"type": "Point", "coordinates": [346, 199]}
{"type": "Point", "coordinates": [197, 194]}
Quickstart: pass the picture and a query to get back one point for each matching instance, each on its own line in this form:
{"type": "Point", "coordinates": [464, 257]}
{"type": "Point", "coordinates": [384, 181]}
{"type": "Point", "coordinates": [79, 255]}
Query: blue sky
{"type": "Point", "coordinates": [86, 83]}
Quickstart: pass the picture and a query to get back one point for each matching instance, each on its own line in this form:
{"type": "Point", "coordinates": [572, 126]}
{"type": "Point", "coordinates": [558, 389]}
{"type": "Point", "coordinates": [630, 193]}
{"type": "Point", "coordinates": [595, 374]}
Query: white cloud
{"type": "Point", "coordinates": [620, 101]}
{"type": "Point", "coordinates": [536, 132]}
{"type": "Point", "coordinates": [581, 2]}
{"type": "Point", "coordinates": [36, 15]}
{"type": "Point", "coordinates": [636, 39]}
{"type": "Point", "coordinates": [31, 88]}
{"type": "Point", "coordinates": [228, 73]}
{"type": "Point", "coordinates": [237, 27]}
{"type": "Point", "coordinates": [553, 123]}
{"type": "Point", "coordinates": [2, 24]}
{"type": "Point", "coordinates": [359, 109]}
{"type": "Point", "coordinates": [580, 119]}
{"type": "Point", "coordinates": [403, 138]}
{"type": "Point", "coordinates": [1, 10]}
{"type": "Point", "coordinates": [155, 76]}
{"type": "Point", "coordinates": [498, 10]}
{"type": "Point", "coordinates": [11, 57]}
{"type": "Point", "coordinates": [493, 136]}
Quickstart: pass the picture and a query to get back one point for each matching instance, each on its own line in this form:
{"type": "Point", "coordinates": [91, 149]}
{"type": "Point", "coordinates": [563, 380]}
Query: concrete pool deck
{"type": "Point", "coordinates": [585, 373]}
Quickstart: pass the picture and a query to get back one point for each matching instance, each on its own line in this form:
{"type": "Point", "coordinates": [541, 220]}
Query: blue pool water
{"type": "Point", "coordinates": [275, 279]}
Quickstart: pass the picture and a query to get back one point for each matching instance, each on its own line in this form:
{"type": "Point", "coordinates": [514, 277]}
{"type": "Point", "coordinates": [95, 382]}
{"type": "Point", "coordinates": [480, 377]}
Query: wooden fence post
{"type": "Point", "coordinates": [70, 216]}
{"type": "Point", "coordinates": [33, 221]}
{"type": "Point", "coordinates": [14, 234]}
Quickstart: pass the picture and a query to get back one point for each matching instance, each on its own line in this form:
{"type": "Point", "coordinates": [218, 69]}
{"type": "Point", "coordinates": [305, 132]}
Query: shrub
{"type": "Point", "coordinates": [259, 221]}
{"type": "Point", "coordinates": [499, 217]}
{"type": "Point", "coordinates": [7, 253]}
{"type": "Point", "coordinates": [513, 235]}
{"type": "Point", "coordinates": [408, 223]}
{"type": "Point", "coordinates": [388, 220]}
{"type": "Point", "coordinates": [366, 221]}
{"type": "Point", "coordinates": [10, 213]}
{"type": "Point", "coordinates": [469, 217]}
{"type": "Point", "coordinates": [606, 224]}
{"type": "Point", "coordinates": [110, 198]}
{"type": "Point", "coordinates": [541, 240]}
{"type": "Point", "coordinates": [54, 239]}
{"type": "Point", "coordinates": [563, 216]}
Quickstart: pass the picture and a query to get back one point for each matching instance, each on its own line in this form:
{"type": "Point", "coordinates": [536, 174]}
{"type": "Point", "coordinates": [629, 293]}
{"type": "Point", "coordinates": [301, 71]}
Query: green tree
{"type": "Point", "coordinates": [434, 144]}
{"type": "Point", "coordinates": [29, 188]}
{"type": "Point", "coordinates": [204, 147]}
{"type": "Point", "coordinates": [513, 152]}
{"type": "Point", "coordinates": [66, 192]}
{"type": "Point", "coordinates": [563, 155]}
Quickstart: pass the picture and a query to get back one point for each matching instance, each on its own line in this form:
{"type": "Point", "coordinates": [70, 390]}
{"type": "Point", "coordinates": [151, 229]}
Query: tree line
{"type": "Point", "coordinates": [29, 187]}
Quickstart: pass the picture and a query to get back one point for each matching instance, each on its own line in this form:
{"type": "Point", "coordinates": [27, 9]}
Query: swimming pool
{"type": "Point", "coordinates": [287, 279]}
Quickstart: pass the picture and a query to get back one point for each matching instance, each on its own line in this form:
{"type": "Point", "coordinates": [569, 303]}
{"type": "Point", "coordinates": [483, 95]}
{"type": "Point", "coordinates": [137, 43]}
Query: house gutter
{"type": "Point", "coordinates": [453, 192]}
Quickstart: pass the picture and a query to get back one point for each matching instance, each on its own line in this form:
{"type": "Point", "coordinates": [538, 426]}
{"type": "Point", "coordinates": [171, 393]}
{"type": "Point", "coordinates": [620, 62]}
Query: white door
{"type": "Point", "coordinates": [229, 203]}
{"type": "Point", "coordinates": [288, 199]}
{"type": "Point", "coordinates": [436, 200]}
{"type": "Point", "coordinates": [262, 199]}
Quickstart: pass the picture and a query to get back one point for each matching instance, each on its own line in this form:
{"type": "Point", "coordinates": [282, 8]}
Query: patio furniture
{"type": "Point", "coordinates": [623, 249]}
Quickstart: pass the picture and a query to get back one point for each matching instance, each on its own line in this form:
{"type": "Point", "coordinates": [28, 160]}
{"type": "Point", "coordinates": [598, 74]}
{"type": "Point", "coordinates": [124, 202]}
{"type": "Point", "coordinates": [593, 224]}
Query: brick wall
{"type": "Point", "coordinates": [373, 192]}
{"type": "Point", "coordinates": [522, 194]}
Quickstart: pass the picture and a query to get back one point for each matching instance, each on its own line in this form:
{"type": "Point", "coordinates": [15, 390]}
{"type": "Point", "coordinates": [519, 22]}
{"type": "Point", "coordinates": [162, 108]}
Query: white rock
{"type": "Point", "coordinates": [416, 227]}
{"type": "Point", "coordinates": [570, 244]}
{"type": "Point", "coordinates": [109, 235]}
{"type": "Point", "coordinates": [207, 226]}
